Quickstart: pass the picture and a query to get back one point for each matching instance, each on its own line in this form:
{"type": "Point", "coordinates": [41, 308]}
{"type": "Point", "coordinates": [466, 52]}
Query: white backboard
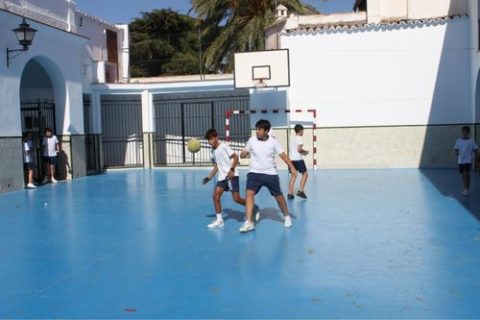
{"type": "Point", "coordinates": [262, 69]}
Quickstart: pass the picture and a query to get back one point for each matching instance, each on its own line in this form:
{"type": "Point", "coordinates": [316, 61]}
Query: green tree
{"type": "Point", "coordinates": [243, 24]}
{"type": "Point", "coordinates": [164, 42]}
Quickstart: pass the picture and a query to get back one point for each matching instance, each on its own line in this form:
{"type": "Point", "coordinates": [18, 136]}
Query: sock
{"type": "Point", "coordinates": [219, 216]}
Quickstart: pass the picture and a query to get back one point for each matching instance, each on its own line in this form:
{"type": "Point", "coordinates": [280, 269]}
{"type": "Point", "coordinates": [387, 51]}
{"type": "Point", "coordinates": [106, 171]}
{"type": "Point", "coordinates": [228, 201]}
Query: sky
{"type": "Point", "coordinates": [123, 11]}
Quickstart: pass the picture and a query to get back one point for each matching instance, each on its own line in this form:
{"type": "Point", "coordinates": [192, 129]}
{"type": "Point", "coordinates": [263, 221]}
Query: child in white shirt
{"type": "Point", "coordinates": [51, 149]}
{"type": "Point", "coordinates": [263, 172]}
{"type": "Point", "coordinates": [466, 151]}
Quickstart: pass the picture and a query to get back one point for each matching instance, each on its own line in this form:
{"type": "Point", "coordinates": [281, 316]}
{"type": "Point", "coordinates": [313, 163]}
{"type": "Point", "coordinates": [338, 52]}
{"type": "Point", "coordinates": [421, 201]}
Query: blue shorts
{"type": "Point", "coordinates": [300, 166]}
{"type": "Point", "coordinates": [50, 160]}
{"type": "Point", "coordinates": [28, 166]}
{"type": "Point", "coordinates": [255, 181]}
{"type": "Point", "coordinates": [232, 185]}
{"type": "Point", "coordinates": [464, 167]}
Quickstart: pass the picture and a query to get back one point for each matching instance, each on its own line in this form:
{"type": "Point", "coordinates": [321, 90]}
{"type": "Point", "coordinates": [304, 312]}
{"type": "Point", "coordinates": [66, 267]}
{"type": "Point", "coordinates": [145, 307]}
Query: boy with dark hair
{"type": "Point", "coordinates": [466, 151]}
{"type": "Point", "coordinates": [263, 172]}
{"type": "Point", "coordinates": [51, 149]}
{"type": "Point", "coordinates": [226, 162]}
{"type": "Point", "coordinates": [296, 155]}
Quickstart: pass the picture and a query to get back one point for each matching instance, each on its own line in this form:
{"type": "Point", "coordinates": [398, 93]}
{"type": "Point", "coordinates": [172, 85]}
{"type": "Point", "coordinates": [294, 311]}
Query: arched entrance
{"type": "Point", "coordinates": [37, 106]}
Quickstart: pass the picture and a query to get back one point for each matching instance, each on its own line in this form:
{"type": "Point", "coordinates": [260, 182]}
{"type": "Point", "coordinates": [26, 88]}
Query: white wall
{"type": "Point", "coordinates": [95, 52]}
{"type": "Point", "coordinates": [56, 13]}
{"type": "Point", "coordinates": [397, 75]}
{"type": "Point", "coordinates": [94, 30]}
{"type": "Point", "coordinates": [382, 10]}
{"type": "Point", "coordinates": [269, 99]}
{"type": "Point", "coordinates": [474, 8]}
{"type": "Point", "coordinates": [59, 53]}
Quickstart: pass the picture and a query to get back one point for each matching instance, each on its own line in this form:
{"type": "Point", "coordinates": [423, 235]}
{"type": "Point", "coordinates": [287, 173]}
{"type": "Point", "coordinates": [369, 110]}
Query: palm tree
{"type": "Point", "coordinates": [243, 25]}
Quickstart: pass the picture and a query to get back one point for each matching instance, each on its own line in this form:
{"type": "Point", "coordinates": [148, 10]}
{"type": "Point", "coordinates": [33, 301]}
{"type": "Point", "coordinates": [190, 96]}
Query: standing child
{"type": "Point", "coordinates": [51, 148]}
{"type": "Point", "coordinates": [296, 155]}
{"type": "Point", "coordinates": [466, 151]}
{"type": "Point", "coordinates": [263, 172]}
{"type": "Point", "coordinates": [27, 159]}
{"type": "Point", "coordinates": [226, 162]}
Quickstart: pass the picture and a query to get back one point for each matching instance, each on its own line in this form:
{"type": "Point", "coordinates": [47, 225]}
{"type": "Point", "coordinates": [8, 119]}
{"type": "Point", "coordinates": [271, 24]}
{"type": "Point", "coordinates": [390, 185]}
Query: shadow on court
{"type": "Point", "coordinates": [449, 183]}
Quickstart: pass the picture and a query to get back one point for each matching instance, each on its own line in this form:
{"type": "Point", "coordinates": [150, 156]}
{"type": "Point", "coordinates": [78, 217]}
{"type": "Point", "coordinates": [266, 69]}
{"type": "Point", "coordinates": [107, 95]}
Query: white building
{"type": "Point", "coordinates": [45, 86]}
{"type": "Point", "coordinates": [392, 86]}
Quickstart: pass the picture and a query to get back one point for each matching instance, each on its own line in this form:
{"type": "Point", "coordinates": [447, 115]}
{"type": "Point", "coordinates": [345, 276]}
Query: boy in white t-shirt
{"type": "Point", "coordinates": [226, 162]}
{"type": "Point", "coordinates": [51, 149]}
{"type": "Point", "coordinates": [263, 172]}
{"type": "Point", "coordinates": [466, 151]}
{"type": "Point", "coordinates": [27, 159]}
{"type": "Point", "coordinates": [296, 155]}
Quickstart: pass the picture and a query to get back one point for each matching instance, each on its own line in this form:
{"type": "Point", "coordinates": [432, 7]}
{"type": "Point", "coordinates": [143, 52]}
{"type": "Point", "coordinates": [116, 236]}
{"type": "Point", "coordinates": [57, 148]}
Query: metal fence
{"type": "Point", "coordinates": [122, 138]}
{"type": "Point", "coordinates": [92, 141]}
{"type": "Point", "coordinates": [36, 116]}
{"type": "Point", "coordinates": [180, 118]}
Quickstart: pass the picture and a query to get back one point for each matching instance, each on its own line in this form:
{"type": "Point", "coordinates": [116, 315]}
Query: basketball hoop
{"type": "Point", "coordinates": [262, 69]}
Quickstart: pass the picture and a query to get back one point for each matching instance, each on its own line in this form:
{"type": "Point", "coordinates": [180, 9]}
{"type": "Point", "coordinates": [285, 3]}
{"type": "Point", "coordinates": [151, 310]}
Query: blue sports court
{"type": "Point", "coordinates": [134, 244]}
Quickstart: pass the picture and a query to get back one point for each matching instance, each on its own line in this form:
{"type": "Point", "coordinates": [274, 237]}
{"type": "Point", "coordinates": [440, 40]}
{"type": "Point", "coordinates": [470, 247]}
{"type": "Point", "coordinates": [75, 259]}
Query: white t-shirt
{"type": "Point", "coordinates": [294, 143]}
{"type": "Point", "coordinates": [466, 149]}
{"type": "Point", "coordinates": [50, 145]}
{"type": "Point", "coordinates": [262, 155]}
{"type": "Point", "coordinates": [27, 147]}
{"type": "Point", "coordinates": [222, 158]}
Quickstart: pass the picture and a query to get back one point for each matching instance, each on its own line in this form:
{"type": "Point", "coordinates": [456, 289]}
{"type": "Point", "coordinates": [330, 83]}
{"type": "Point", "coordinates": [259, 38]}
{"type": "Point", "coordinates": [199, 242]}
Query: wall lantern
{"type": "Point", "coordinates": [25, 36]}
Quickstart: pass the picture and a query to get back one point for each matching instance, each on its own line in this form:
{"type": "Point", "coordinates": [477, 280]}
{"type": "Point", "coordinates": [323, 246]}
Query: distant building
{"type": "Point", "coordinates": [392, 82]}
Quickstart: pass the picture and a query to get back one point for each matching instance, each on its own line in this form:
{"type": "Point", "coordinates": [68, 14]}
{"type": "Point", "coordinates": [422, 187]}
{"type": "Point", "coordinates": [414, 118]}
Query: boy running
{"type": "Point", "coordinates": [263, 172]}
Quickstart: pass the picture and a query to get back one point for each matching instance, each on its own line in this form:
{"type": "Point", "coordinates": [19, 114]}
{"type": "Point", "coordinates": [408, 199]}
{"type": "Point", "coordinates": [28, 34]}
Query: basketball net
{"type": "Point", "coordinates": [260, 84]}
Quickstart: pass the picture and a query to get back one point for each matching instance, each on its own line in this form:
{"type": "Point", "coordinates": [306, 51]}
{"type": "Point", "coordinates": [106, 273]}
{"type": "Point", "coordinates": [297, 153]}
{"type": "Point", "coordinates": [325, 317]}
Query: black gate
{"type": "Point", "coordinates": [122, 130]}
{"type": "Point", "coordinates": [36, 116]}
{"type": "Point", "coordinates": [92, 141]}
{"type": "Point", "coordinates": [180, 118]}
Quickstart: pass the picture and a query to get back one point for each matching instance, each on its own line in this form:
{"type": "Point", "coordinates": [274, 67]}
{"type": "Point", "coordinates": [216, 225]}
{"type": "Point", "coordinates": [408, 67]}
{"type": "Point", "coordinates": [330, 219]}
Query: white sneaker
{"type": "Point", "coordinates": [54, 180]}
{"type": "Point", "coordinates": [31, 185]}
{"type": "Point", "coordinates": [45, 180]}
{"type": "Point", "coordinates": [247, 226]}
{"type": "Point", "coordinates": [288, 222]}
{"type": "Point", "coordinates": [216, 224]}
{"type": "Point", "coordinates": [465, 192]}
{"type": "Point", "coordinates": [256, 210]}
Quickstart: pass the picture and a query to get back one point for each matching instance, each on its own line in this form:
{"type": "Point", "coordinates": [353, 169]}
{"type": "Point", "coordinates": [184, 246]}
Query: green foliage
{"type": "Point", "coordinates": [163, 42]}
{"type": "Point", "coordinates": [243, 25]}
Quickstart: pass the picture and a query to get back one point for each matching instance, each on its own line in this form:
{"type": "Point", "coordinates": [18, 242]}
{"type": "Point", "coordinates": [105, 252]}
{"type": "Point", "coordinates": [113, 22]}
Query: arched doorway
{"type": "Point", "coordinates": [37, 106]}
